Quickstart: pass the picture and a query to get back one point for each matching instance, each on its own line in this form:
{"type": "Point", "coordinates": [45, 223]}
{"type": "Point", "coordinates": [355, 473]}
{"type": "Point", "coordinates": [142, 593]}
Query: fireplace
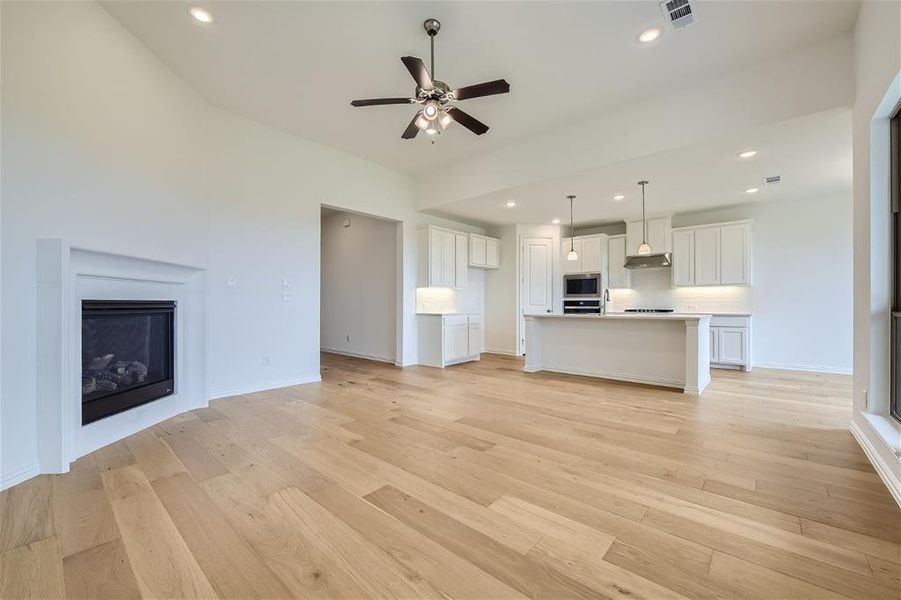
{"type": "Point", "coordinates": [127, 355]}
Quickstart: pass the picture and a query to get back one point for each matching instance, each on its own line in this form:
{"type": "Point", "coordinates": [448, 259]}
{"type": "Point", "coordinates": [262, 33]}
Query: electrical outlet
{"type": "Point", "coordinates": [231, 282]}
{"type": "Point", "coordinates": [347, 337]}
{"type": "Point", "coordinates": [866, 399]}
{"type": "Point", "coordinates": [692, 308]}
{"type": "Point", "coordinates": [286, 297]}
{"type": "Point", "coordinates": [265, 360]}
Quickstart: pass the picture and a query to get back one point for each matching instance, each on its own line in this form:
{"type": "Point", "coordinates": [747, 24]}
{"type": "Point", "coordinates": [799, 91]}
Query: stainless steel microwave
{"type": "Point", "coordinates": [582, 285]}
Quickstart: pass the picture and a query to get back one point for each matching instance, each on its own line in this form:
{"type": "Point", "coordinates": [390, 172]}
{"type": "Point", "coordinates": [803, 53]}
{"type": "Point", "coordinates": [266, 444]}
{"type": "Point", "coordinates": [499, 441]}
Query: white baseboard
{"type": "Point", "coordinates": [808, 368]}
{"type": "Point", "coordinates": [611, 376]}
{"type": "Point", "coordinates": [888, 476]}
{"type": "Point", "coordinates": [263, 386]}
{"type": "Point", "coordinates": [501, 352]}
{"type": "Point", "coordinates": [17, 476]}
{"type": "Point", "coordinates": [362, 355]}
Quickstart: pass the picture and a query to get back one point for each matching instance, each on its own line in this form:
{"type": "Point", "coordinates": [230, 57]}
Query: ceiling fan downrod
{"type": "Point", "coordinates": [432, 26]}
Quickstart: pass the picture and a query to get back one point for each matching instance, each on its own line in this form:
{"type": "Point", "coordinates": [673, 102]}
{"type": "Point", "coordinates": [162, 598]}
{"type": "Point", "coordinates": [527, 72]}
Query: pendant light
{"type": "Point", "coordinates": [572, 255]}
{"type": "Point", "coordinates": [645, 248]}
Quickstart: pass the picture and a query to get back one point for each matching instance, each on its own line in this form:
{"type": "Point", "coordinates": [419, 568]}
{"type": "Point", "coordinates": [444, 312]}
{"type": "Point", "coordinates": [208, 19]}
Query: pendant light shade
{"type": "Point", "coordinates": [572, 254]}
{"type": "Point", "coordinates": [644, 248]}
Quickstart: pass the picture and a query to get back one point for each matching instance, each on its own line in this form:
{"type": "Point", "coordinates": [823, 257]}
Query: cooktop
{"type": "Point", "coordinates": [649, 310]}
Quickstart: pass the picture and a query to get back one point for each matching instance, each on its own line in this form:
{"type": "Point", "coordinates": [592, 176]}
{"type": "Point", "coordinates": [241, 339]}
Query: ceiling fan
{"type": "Point", "coordinates": [436, 97]}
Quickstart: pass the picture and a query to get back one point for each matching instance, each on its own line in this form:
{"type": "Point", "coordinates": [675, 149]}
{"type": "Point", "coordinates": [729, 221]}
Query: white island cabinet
{"type": "Point", "coordinates": [671, 350]}
{"type": "Point", "coordinates": [449, 339]}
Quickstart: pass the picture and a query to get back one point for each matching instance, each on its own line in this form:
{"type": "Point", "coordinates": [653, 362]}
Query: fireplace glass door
{"type": "Point", "coordinates": [127, 355]}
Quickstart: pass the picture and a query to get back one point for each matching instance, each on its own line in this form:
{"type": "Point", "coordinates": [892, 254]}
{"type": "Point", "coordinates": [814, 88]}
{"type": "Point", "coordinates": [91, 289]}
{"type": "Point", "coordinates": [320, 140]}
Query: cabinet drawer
{"type": "Point", "coordinates": [723, 321]}
{"type": "Point", "coordinates": [475, 319]}
{"type": "Point", "coordinates": [456, 320]}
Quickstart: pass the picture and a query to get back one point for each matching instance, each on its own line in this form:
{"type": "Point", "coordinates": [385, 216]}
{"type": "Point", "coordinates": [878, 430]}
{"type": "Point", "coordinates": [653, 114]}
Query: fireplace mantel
{"type": "Point", "coordinates": [66, 276]}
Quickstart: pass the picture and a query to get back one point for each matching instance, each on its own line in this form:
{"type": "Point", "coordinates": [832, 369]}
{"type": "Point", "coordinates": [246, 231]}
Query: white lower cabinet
{"type": "Point", "coordinates": [730, 342]}
{"type": "Point", "coordinates": [449, 339]}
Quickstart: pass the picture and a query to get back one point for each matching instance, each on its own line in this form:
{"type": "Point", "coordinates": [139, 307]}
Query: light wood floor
{"type": "Point", "coordinates": [477, 481]}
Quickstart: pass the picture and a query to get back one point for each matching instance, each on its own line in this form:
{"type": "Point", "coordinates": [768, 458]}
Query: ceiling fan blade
{"type": "Point", "coordinates": [380, 101]}
{"type": "Point", "coordinates": [489, 88]}
{"type": "Point", "coordinates": [411, 130]}
{"type": "Point", "coordinates": [467, 121]}
{"type": "Point", "coordinates": [417, 69]}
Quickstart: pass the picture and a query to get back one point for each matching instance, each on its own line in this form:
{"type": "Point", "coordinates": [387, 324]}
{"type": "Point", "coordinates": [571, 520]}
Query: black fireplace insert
{"type": "Point", "coordinates": [127, 355]}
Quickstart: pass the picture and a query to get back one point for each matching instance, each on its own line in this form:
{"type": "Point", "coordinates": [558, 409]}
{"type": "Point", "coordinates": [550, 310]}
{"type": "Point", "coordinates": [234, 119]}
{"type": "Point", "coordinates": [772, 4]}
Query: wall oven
{"type": "Point", "coordinates": [583, 285]}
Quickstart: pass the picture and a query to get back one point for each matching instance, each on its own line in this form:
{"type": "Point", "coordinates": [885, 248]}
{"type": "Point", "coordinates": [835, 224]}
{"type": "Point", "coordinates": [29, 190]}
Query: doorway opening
{"type": "Point", "coordinates": [359, 285]}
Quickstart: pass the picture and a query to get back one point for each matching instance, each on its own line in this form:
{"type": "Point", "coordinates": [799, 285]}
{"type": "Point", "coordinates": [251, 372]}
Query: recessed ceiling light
{"type": "Point", "coordinates": [201, 14]}
{"type": "Point", "coordinates": [747, 154]}
{"type": "Point", "coordinates": [649, 35]}
{"type": "Point", "coordinates": [510, 203]}
{"type": "Point", "coordinates": [619, 197]}
{"type": "Point", "coordinates": [556, 221]}
{"type": "Point", "coordinates": [751, 191]}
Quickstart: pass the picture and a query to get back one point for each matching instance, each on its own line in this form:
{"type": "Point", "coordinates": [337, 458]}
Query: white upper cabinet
{"type": "Point", "coordinates": [718, 254]}
{"type": "Point", "coordinates": [492, 253]}
{"type": "Point", "coordinates": [444, 258]}
{"type": "Point", "coordinates": [683, 257]}
{"type": "Point", "coordinates": [735, 242]}
{"type": "Point", "coordinates": [484, 252]}
{"type": "Point", "coordinates": [591, 254]}
{"type": "Point", "coordinates": [658, 235]}
{"type": "Point", "coordinates": [707, 256]}
{"type": "Point", "coordinates": [617, 275]}
{"type": "Point", "coordinates": [591, 251]}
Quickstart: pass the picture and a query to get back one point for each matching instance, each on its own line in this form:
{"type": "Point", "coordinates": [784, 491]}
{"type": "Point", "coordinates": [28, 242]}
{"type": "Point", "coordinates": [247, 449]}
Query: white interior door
{"type": "Point", "coordinates": [536, 289]}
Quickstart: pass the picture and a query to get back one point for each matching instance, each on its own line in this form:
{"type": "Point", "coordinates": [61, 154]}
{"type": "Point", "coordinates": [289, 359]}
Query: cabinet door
{"type": "Point", "coordinates": [436, 265]}
{"type": "Point", "coordinates": [492, 254]}
{"type": "Point", "coordinates": [634, 235]}
{"type": "Point", "coordinates": [475, 341]}
{"type": "Point", "coordinates": [448, 343]}
{"type": "Point", "coordinates": [591, 255]}
{"type": "Point", "coordinates": [617, 275]}
{"type": "Point", "coordinates": [478, 251]}
{"type": "Point", "coordinates": [683, 257]}
{"type": "Point", "coordinates": [707, 256]}
{"type": "Point", "coordinates": [461, 260]}
{"type": "Point", "coordinates": [732, 346]}
{"type": "Point", "coordinates": [714, 339]}
{"type": "Point", "coordinates": [461, 341]}
{"type": "Point", "coordinates": [572, 266]}
{"type": "Point", "coordinates": [446, 277]}
{"type": "Point", "coordinates": [659, 234]}
{"type": "Point", "coordinates": [735, 244]}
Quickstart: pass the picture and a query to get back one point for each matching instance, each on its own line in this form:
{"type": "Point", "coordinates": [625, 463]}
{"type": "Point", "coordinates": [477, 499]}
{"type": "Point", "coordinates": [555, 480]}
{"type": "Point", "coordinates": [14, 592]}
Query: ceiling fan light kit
{"type": "Point", "coordinates": [436, 97]}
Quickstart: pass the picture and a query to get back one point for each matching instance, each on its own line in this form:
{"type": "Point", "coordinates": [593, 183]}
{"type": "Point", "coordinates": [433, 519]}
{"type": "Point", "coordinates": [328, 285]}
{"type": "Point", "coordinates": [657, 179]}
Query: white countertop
{"type": "Point", "coordinates": [629, 316]}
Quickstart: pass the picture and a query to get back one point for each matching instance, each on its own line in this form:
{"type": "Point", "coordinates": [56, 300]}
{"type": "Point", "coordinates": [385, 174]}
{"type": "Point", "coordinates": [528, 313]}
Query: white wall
{"type": "Point", "coordinates": [105, 147]}
{"type": "Point", "coordinates": [358, 286]}
{"type": "Point", "coordinates": [802, 292]}
{"type": "Point", "coordinates": [500, 296]}
{"type": "Point", "coordinates": [877, 49]}
{"type": "Point", "coordinates": [502, 322]}
{"type": "Point", "coordinates": [809, 80]}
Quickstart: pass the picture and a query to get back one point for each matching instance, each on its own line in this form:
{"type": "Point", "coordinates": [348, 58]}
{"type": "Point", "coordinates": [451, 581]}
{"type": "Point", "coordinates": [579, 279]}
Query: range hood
{"type": "Point", "coordinates": [658, 260]}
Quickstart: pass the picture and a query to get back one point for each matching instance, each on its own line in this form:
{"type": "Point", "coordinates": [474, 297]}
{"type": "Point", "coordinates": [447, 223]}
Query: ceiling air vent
{"type": "Point", "coordinates": [772, 180]}
{"type": "Point", "coordinates": [679, 12]}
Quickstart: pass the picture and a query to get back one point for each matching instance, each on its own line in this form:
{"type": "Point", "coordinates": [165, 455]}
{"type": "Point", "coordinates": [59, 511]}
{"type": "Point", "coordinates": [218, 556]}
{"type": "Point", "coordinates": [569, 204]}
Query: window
{"type": "Point", "coordinates": [895, 187]}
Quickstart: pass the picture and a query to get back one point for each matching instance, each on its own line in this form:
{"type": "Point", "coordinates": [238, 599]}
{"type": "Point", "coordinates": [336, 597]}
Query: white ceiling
{"type": "Point", "coordinates": [297, 65]}
{"type": "Point", "coordinates": [812, 154]}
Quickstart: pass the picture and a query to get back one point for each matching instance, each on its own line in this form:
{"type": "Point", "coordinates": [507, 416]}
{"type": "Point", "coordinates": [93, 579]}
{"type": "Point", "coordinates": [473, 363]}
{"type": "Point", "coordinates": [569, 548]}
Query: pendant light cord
{"type": "Point", "coordinates": [644, 222]}
{"type": "Point", "coordinates": [572, 230]}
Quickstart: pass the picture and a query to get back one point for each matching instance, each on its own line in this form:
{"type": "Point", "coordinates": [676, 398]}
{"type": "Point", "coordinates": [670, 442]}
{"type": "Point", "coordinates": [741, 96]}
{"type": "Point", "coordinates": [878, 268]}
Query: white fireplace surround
{"type": "Point", "coordinates": [66, 276]}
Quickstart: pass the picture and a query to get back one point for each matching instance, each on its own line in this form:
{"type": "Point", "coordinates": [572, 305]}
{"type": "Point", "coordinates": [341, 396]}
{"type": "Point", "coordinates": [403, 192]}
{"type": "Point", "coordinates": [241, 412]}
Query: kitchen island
{"type": "Point", "coordinates": [671, 350]}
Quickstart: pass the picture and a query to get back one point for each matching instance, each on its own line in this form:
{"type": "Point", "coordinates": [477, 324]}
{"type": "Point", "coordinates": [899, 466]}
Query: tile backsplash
{"type": "Point", "coordinates": [652, 288]}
